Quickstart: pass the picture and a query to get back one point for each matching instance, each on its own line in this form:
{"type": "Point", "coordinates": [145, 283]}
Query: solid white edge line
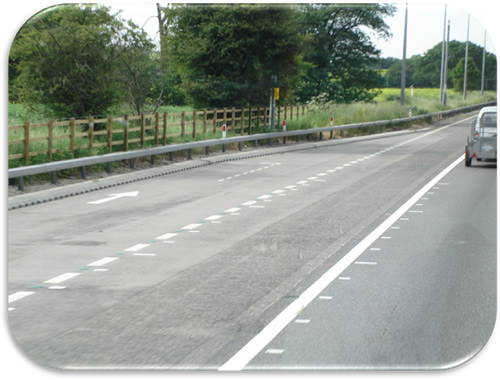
{"type": "Point", "coordinates": [257, 343]}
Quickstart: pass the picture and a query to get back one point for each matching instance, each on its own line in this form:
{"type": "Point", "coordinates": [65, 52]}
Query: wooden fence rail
{"type": "Point", "coordinates": [66, 139]}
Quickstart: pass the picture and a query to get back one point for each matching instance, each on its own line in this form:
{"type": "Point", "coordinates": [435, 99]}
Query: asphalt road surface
{"type": "Point", "coordinates": [380, 253]}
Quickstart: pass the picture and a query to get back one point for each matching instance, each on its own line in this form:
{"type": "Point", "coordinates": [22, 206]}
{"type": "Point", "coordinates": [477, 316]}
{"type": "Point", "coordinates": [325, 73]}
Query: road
{"type": "Point", "coordinates": [380, 253]}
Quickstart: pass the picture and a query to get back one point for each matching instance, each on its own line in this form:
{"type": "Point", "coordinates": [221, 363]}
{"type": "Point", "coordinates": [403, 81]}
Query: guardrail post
{"type": "Point", "coordinates": [233, 120]}
{"type": "Point", "coordinates": [20, 183]}
{"type": "Point", "coordinates": [83, 172]}
{"type": "Point", "coordinates": [190, 152]}
{"type": "Point", "coordinates": [53, 177]}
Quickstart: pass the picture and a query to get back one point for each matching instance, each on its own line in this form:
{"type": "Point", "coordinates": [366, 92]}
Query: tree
{"type": "Point", "coordinates": [340, 51]}
{"type": "Point", "coordinates": [228, 54]}
{"type": "Point", "coordinates": [68, 57]}
{"type": "Point", "coordinates": [473, 75]}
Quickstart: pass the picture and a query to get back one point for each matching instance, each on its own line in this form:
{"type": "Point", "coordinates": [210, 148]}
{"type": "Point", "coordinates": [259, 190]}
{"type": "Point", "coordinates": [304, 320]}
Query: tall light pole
{"type": "Point", "coordinates": [484, 64]}
{"type": "Point", "coordinates": [403, 68]}
{"type": "Point", "coordinates": [466, 58]}
{"type": "Point", "coordinates": [445, 76]}
{"type": "Point", "coordinates": [441, 84]}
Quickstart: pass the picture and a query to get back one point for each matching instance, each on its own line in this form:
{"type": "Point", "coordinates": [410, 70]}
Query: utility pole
{"type": "Point", "coordinates": [441, 93]}
{"type": "Point", "coordinates": [403, 68]}
{"type": "Point", "coordinates": [445, 76]}
{"type": "Point", "coordinates": [484, 64]}
{"type": "Point", "coordinates": [466, 58]}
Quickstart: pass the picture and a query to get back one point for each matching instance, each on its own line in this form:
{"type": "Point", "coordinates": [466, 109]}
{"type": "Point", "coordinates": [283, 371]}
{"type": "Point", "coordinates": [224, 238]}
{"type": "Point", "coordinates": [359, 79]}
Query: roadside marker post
{"type": "Point", "coordinates": [224, 136]}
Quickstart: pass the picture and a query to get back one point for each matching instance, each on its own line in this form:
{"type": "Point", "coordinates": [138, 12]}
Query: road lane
{"type": "Point", "coordinates": [192, 299]}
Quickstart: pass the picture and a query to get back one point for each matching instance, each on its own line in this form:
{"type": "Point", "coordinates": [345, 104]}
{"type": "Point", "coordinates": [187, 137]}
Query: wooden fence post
{"type": "Point", "coordinates": [110, 134]}
{"type": "Point", "coordinates": [72, 136]}
{"type": "Point", "coordinates": [233, 120]}
{"type": "Point", "coordinates": [26, 142]}
{"type": "Point", "coordinates": [157, 127]}
{"type": "Point", "coordinates": [142, 130]}
{"type": "Point", "coordinates": [250, 121]}
{"type": "Point", "coordinates": [194, 124]}
{"type": "Point", "coordinates": [165, 115]}
{"type": "Point", "coordinates": [91, 133]}
{"type": "Point", "coordinates": [125, 137]}
{"type": "Point", "coordinates": [183, 123]}
{"type": "Point", "coordinates": [204, 123]}
{"type": "Point", "coordinates": [50, 139]}
{"type": "Point", "coordinates": [215, 120]}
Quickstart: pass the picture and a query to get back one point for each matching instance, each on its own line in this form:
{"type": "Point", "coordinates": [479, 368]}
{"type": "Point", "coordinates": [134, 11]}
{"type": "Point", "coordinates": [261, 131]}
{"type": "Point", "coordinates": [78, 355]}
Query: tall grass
{"type": "Point", "coordinates": [386, 106]}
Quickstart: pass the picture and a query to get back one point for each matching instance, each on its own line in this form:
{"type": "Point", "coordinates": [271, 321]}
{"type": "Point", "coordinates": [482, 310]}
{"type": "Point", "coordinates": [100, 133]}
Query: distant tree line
{"type": "Point", "coordinates": [80, 60]}
{"type": "Point", "coordinates": [425, 70]}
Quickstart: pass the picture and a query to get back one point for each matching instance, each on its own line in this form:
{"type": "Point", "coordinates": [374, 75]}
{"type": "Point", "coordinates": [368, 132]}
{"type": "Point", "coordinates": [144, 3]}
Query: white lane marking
{"type": "Point", "coordinates": [312, 178]}
{"type": "Point", "coordinates": [137, 247]}
{"type": "Point", "coordinates": [101, 270]}
{"type": "Point", "coordinates": [320, 180]}
{"type": "Point", "coordinates": [234, 209]}
{"type": "Point", "coordinates": [103, 261]}
{"type": "Point", "coordinates": [269, 332]}
{"type": "Point", "coordinates": [145, 254]}
{"type": "Point", "coordinates": [216, 222]}
{"type": "Point", "coordinates": [278, 191]}
{"type": "Point", "coordinates": [325, 297]}
{"type": "Point", "coordinates": [386, 237]}
{"type": "Point", "coordinates": [194, 231]}
{"type": "Point", "coordinates": [191, 226]}
{"type": "Point", "coordinates": [61, 278]}
{"type": "Point", "coordinates": [395, 228]}
{"type": "Point", "coordinates": [416, 211]}
{"type": "Point", "coordinates": [249, 203]}
{"type": "Point", "coordinates": [304, 321]}
{"type": "Point", "coordinates": [339, 168]}
{"type": "Point", "coordinates": [266, 196]}
{"type": "Point", "coordinates": [55, 287]}
{"type": "Point", "coordinates": [112, 197]}
{"type": "Point", "coordinates": [214, 217]}
{"type": "Point", "coordinates": [274, 351]}
{"type": "Point", "coordinates": [166, 236]}
{"type": "Point", "coordinates": [257, 206]}
{"type": "Point", "coordinates": [220, 180]}
{"type": "Point", "coordinates": [345, 278]}
{"type": "Point", "coordinates": [405, 219]}
{"type": "Point", "coordinates": [365, 263]}
{"type": "Point", "coordinates": [290, 187]}
{"type": "Point", "coordinates": [322, 174]}
{"type": "Point", "coordinates": [18, 295]}
{"type": "Point", "coordinates": [331, 171]}
{"type": "Point", "coordinates": [375, 249]}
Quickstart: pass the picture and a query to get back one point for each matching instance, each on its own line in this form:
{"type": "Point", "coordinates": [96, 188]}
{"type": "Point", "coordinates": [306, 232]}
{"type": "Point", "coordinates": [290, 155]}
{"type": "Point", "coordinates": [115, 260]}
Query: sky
{"type": "Point", "coordinates": [425, 22]}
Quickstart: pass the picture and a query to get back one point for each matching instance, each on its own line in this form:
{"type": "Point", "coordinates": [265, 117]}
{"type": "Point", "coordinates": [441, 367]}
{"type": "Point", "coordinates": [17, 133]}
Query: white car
{"type": "Point", "coordinates": [482, 142]}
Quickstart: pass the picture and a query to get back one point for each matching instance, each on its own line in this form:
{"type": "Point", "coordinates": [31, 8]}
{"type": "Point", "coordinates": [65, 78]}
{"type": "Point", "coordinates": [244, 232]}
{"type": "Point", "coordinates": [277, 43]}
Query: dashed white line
{"type": "Point", "coordinates": [214, 217]}
{"type": "Point", "coordinates": [61, 278]}
{"type": "Point", "coordinates": [325, 297]}
{"type": "Point", "coordinates": [365, 263]}
{"type": "Point", "coordinates": [249, 203]}
{"type": "Point", "coordinates": [145, 254]}
{"type": "Point", "coordinates": [19, 295]}
{"type": "Point", "coordinates": [274, 351]}
{"type": "Point", "coordinates": [304, 321]}
{"type": "Point", "coordinates": [266, 196]}
{"type": "Point", "coordinates": [166, 236]}
{"type": "Point", "coordinates": [234, 209]}
{"type": "Point", "coordinates": [103, 261]}
{"type": "Point", "coordinates": [137, 247]}
{"type": "Point", "coordinates": [191, 226]}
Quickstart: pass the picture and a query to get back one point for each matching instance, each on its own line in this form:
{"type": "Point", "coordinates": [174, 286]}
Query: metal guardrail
{"type": "Point", "coordinates": [82, 163]}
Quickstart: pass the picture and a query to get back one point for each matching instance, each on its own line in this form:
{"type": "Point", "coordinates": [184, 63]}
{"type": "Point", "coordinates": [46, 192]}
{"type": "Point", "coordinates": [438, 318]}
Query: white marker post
{"type": "Point", "coordinates": [223, 131]}
{"type": "Point", "coordinates": [332, 133]}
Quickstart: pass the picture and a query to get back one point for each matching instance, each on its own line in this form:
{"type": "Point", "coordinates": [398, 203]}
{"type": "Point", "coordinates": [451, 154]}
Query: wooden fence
{"type": "Point", "coordinates": [65, 139]}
